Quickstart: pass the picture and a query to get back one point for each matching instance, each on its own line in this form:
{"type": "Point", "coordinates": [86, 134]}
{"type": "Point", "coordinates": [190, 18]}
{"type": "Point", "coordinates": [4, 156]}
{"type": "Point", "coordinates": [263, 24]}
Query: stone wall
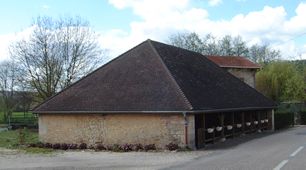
{"type": "Point", "coordinates": [247, 75]}
{"type": "Point", "coordinates": [108, 129]}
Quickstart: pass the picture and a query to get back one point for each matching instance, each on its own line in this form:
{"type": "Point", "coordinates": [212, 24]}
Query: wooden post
{"type": "Point", "coordinates": [204, 129]}
{"type": "Point", "coordinates": [233, 124]}
{"type": "Point", "coordinates": [222, 125]}
{"type": "Point", "coordinates": [252, 122]}
{"type": "Point", "coordinates": [272, 120]}
{"type": "Point", "coordinates": [243, 122]}
{"type": "Point", "coordinates": [213, 138]}
{"type": "Point", "coordinates": [254, 119]}
{"type": "Point", "coordinates": [201, 140]}
{"type": "Point", "coordinates": [259, 119]}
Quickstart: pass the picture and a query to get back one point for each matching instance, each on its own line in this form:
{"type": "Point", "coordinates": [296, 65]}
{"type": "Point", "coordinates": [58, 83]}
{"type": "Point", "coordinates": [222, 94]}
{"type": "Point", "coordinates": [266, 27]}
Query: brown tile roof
{"type": "Point", "coordinates": [156, 77]}
{"type": "Point", "coordinates": [233, 62]}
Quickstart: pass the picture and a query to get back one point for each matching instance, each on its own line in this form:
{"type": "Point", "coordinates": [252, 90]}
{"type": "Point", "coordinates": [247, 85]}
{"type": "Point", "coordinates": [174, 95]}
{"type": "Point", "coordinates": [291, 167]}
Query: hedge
{"type": "Point", "coordinates": [303, 117]}
{"type": "Point", "coordinates": [283, 120]}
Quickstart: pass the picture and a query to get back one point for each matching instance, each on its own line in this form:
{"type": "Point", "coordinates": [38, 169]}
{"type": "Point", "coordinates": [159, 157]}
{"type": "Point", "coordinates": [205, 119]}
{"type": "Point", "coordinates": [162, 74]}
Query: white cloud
{"type": "Point", "coordinates": [162, 18]}
{"type": "Point", "coordinates": [214, 2]}
{"type": "Point", "coordinates": [297, 23]}
{"type": "Point", "coordinates": [7, 39]}
{"type": "Point", "coordinates": [45, 7]}
{"type": "Point", "coordinates": [4, 55]}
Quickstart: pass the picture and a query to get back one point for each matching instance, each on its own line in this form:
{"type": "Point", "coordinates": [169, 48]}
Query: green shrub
{"type": "Point", "coordinates": [172, 146]}
{"type": "Point", "coordinates": [83, 146]}
{"type": "Point", "coordinates": [138, 147]}
{"type": "Point", "coordinates": [114, 148]}
{"type": "Point", "coordinates": [283, 120]}
{"type": "Point", "coordinates": [149, 147]}
{"type": "Point", "coordinates": [126, 147]}
{"type": "Point", "coordinates": [303, 117]}
{"type": "Point", "coordinates": [100, 147]}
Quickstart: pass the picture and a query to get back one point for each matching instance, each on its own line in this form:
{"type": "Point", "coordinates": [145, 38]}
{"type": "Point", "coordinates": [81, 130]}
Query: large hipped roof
{"type": "Point", "coordinates": [156, 77]}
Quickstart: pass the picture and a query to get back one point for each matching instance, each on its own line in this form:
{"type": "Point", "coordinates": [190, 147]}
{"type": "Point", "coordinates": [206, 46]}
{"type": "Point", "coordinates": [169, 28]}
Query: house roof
{"type": "Point", "coordinates": [233, 62]}
{"type": "Point", "coordinates": [155, 77]}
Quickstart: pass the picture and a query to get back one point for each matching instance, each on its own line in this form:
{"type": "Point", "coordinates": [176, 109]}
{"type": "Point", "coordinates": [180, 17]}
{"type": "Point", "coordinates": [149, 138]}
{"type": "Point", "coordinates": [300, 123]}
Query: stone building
{"type": "Point", "coordinates": [240, 67]}
{"type": "Point", "coordinates": [154, 94]}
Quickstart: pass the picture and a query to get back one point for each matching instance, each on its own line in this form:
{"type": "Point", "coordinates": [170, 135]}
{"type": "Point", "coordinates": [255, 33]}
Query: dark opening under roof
{"type": "Point", "coordinates": [156, 77]}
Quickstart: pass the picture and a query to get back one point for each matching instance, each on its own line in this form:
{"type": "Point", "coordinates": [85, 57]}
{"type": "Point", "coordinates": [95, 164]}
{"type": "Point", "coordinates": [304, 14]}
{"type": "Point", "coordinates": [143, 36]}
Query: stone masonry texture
{"type": "Point", "coordinates": [248, 75]}
{"type": "Point", "coordinates": [108, 129]}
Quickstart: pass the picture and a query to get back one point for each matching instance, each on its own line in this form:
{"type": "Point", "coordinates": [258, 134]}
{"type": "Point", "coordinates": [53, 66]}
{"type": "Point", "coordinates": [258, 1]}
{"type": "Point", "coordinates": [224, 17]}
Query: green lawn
{"type": "Point", "coordinates": [27, 114]}
{"type": "Point", "coordinates": [14, 139]}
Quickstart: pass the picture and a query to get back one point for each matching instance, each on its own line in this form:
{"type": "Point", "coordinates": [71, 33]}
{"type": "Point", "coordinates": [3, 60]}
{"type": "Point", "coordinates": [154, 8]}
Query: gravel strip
{"type": "Point", "coordinates": [72, 160]}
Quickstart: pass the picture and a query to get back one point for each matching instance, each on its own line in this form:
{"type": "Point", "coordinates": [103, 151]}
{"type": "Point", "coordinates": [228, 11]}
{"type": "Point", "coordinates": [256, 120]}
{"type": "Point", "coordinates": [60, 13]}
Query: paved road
{"type": "Point", "coordinates": [282, 150]}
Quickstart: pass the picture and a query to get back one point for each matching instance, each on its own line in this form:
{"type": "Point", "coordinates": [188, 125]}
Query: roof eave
{"type": "Point", "coordinates": [242, 67]}
{"type": "Point", "coordinates": [165, 111]}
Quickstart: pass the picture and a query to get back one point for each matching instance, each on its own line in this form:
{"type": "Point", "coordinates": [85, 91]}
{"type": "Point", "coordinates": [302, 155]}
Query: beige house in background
{"type": "Point", "coordinates": [240, 67]}
{"type": "Point", "coordinates": [154, 94]}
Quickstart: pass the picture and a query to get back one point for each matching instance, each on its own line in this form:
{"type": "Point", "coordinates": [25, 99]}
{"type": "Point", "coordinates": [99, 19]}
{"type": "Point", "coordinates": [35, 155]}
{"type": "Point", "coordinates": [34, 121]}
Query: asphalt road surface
{"type": "Point", "coordinates": [268, 151]}
{"type": "Point", "coordinates": [281, 150]}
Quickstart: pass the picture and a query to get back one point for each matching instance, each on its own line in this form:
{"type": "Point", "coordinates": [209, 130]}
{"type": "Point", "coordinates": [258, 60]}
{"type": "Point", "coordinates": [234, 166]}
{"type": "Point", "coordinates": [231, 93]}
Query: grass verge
{"type": "Point", "coordinates": [38, 150]}
{"type": "Point", "coordinates": [19, 139]}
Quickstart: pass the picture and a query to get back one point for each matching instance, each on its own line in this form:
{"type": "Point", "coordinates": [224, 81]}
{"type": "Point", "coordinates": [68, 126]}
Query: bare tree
{"type": "Point", "coordinates": [226, 46]}
{"type": "Point", "coordinates": [263, 54]}
{"type": "Point", "coordinates": [210, 45]}
{"type": "Point", "coordinates": [25, 96]}
{"type": "Point", "coordinates": [9, 75]}
{"type": "Point", "coordinates": [239, 47]}
{"type": "Point", "coordinates": [190, 41]}
{"type": "Point", "coordinates": [57, 53]}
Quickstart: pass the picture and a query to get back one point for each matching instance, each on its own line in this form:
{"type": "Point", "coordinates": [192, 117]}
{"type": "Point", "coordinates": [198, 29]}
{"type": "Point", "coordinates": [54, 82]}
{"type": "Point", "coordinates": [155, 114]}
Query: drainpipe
{"type": "Point", "coordinates": [186, 128]}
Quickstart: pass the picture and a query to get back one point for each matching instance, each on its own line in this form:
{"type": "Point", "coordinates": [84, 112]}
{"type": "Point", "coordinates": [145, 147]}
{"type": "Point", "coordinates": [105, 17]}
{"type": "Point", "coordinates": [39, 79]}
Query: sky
{"type": "Point", "coordinates": [122, 24]}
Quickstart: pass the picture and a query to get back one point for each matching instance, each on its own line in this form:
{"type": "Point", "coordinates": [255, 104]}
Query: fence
{"type": "Point", "coordinates": [18, 119]}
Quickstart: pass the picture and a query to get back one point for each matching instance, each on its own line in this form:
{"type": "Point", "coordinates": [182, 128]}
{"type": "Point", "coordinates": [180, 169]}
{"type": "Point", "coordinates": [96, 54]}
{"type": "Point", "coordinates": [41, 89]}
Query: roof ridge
{"type": "Point", "coordinates": [170, 74]}
{"type": "Point", "coordinates": [92, 72]}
